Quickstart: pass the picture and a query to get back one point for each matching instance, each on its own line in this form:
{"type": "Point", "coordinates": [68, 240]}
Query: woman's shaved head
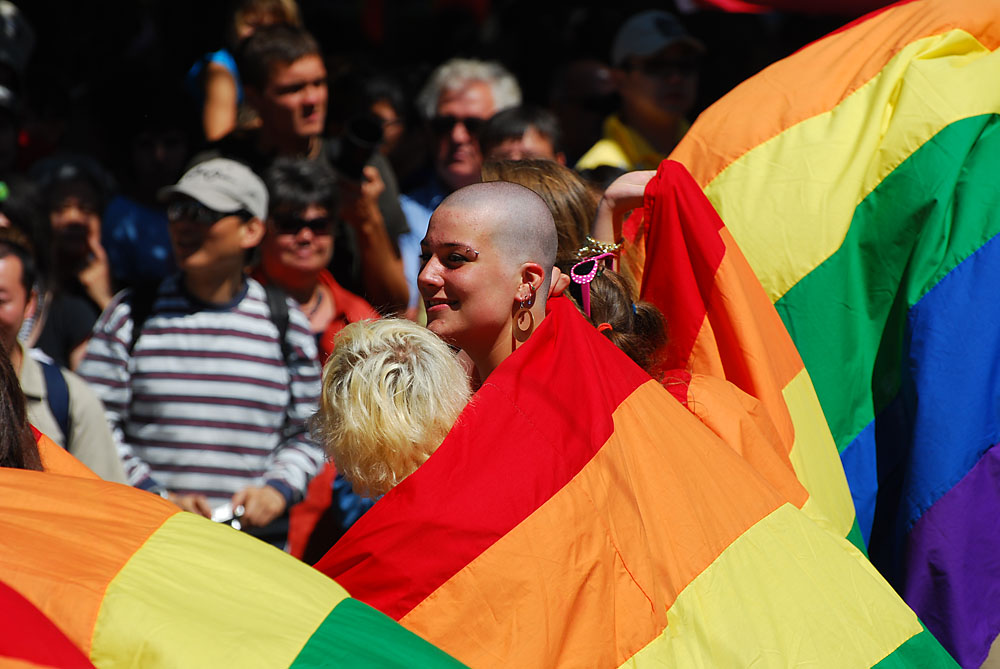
{"type": "Point", "coordinates": [518, 222]}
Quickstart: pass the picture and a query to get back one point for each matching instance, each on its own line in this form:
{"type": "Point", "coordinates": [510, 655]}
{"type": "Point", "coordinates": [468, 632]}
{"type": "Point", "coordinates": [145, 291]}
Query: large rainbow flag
{"type": "Point", "coordinates": [578, 515]}
{"type": "Point", "coordinates": [131, 580]}
{"type": "Point", "coordinates": [723, 327]}
{"type": "Point", "coordinates": [860, 179]}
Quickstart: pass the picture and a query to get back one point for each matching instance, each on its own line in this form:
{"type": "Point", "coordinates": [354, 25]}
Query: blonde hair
{"type": "Point", "coordinates": [391, 392]}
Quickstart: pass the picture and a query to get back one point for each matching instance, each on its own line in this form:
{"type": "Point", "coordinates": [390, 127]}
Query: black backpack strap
{"type": "Point", "coordinates": [278, 308]}
{"type": "Point", "coordinates": [141, 301]}
{"type": "Point", "coordinates": [57, 397]}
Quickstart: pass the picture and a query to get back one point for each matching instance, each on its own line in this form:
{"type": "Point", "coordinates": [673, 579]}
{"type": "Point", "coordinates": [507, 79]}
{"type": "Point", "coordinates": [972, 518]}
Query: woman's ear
{"type": "Point", "coordinates": [534, 274]}
{"type": "Point", "coordinates": [559, 284]}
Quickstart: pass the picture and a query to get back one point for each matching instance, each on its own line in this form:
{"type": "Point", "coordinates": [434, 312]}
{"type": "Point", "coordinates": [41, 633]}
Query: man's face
{"type": "Point", "coordinates": [14, 301]}
{"type": "Point", "coordinates": [76, 219]}
{"type": "Point", "coordinates": [661, 87]}
{"type": "Point", "coordinates": [532, 144]}
{"type": "Point", "coordinates": [206, 240]}
{"type": "Point", "coordinates": [457, 157]}
{"type": "Point", "coordinates": [293, 104]}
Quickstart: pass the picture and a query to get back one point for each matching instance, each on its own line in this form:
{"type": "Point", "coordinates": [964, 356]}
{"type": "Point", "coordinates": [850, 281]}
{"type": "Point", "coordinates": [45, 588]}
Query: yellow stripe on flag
{"type": "Point", "coordinates": [176, 594]}
{"type": "Point", "coordinates": [815, 459]}
{"type": "Point", "coordinates": [787, 226]}
{"type": "Point", "coordinates": [756, 606]}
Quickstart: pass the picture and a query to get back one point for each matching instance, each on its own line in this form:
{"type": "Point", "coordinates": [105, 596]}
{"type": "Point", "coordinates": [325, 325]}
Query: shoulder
{"type": "Point", "coordinates": [222, 58]}
{"type": "Point", "coordinates": [80, 393]}
{"type": "Point", "coordinates": [353, 306]}
{"type": "Point", "coordinates": [604, 152]}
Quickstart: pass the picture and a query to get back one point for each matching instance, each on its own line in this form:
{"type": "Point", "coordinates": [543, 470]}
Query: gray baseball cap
{"type": "Point", "coordinates": [646, 33]}
{"type": "Point", "coordinates": [223, 185]}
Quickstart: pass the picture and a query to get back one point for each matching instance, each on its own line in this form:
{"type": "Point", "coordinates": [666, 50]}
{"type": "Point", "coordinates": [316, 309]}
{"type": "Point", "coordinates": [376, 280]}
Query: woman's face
{"type": "Point", "coordinates": [297, 243]}
{"type": "Point", "coordinates": [467, 286]}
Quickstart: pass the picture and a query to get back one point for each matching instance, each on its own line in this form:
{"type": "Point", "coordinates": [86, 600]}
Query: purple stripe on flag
{"type": "Point", "coordinates": [953, 564]}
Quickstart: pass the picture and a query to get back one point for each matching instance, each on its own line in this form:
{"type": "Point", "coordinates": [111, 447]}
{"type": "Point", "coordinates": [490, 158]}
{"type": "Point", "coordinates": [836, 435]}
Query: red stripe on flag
{"type": "Point", "coordinates": [514, 447]}
{"type": "Point", "coordinates": [27, 634]}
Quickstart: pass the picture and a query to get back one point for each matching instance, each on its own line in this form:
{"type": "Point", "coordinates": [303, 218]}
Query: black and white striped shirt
{"type": "Point", "coordinates": [206, 403]}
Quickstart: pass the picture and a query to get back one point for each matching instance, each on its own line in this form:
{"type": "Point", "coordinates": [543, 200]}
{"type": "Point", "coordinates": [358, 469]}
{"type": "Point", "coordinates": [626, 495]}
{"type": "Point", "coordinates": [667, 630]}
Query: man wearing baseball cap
{"type": "Point", "coordinates": [656, 74]}
{"type": "Point", "coordinates": [209, 378]}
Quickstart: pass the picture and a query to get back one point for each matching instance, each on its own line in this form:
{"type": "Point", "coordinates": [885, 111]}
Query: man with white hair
{"type": "Point", "coordinates": [457, 100]}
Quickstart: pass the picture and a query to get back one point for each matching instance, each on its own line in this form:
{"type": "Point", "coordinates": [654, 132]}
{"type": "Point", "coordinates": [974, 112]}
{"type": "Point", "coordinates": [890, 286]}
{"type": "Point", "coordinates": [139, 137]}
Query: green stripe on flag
{"type": "Point", "coordinates": [920, 650]}
{"type": "Point", "coordinates": [856, 538]}
{"type": "Point", "coordinates": [355, 634]}
{"type": "Point", "coordinates": [909, 232]}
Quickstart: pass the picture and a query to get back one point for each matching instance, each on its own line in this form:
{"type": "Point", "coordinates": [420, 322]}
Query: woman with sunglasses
{"type": "Point", "coordinates": [295, 254]}
{"type": "Point", "coordinates": [298, 246]}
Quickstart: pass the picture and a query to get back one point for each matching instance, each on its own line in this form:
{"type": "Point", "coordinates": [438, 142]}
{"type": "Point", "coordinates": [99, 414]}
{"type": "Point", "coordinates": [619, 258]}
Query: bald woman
{"type": "Point", "coordinates": [487, 269]}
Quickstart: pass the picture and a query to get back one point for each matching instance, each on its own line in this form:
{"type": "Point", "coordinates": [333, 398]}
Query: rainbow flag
{"type": "Point", "coordinates": [860, 179]}
{"type": "Point", "coordinates": [721, 325]}
{"type": "Point", "coordinates": [131, 580]}
{"type": "Point", "coordinates": [578, 515]}
{"type": "Point", "coordinates": [29, 639]}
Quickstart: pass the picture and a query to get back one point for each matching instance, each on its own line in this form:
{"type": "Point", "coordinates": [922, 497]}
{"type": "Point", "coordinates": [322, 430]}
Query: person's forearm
{"type": "Point", "coordinates": [381, 268]}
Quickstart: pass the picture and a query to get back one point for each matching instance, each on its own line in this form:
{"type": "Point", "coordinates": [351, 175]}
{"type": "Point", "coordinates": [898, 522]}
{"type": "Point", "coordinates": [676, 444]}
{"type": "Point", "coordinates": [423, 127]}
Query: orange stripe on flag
{"type": "Point", "coordinates": [589, 576]}
{"type": "Point", "coordinates": [844, 69]}
{"type": "Point", "coordinates": [70, 592]}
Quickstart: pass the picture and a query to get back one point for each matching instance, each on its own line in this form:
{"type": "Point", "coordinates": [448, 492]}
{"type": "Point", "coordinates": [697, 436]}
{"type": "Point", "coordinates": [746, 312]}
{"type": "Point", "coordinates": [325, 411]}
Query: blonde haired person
{"type": "Point", "coordinates": [391, 392]}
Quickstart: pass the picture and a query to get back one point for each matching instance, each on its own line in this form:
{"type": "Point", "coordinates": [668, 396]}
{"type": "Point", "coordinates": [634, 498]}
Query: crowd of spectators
{"type": "Point", "coordinates": [238, 183]}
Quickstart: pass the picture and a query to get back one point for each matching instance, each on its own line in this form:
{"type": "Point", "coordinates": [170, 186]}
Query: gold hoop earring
{"type": "Point", "coordinates": [524, 320]}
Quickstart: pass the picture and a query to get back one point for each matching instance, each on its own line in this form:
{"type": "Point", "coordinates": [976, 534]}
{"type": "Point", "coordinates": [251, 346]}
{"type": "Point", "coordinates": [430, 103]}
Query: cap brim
{"type": "Point", "coordinates": [209, 197]}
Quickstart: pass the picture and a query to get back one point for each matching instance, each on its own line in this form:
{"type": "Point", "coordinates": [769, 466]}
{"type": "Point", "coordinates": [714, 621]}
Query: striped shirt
{"type": "Point", "coordinates": [206, 403]}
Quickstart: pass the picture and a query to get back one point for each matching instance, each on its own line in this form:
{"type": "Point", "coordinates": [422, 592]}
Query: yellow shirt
{"type": "Point", "coordinates": [623, 147]}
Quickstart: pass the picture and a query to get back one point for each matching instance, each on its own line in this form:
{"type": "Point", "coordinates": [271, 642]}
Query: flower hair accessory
{"type": "Point", "coordinates": [595, 246]}
{"type": "Point", "coordinates": [584, 272]}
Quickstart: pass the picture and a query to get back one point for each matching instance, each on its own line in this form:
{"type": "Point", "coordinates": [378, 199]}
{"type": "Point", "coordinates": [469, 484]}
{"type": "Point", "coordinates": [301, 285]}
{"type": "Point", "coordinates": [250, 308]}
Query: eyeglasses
{"type": "Point", "coordinates": [288, 224]}
{"type": "Point", "coordinates": [442, 125]}
{"type": "Point", "coordinates": [584, 272]}
{"type": "Point", "coordinates": [195, 212]}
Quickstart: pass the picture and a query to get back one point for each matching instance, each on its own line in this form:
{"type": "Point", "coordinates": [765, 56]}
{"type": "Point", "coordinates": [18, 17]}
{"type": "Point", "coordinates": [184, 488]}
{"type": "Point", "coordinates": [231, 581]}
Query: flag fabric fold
{"type": "Point", "coordinates": [577, 514]}
{"type": "Point", "coordinates": [862, 191]}
{"type": "Point", "coordinates": [29, 639]}
{"type": "Point", "coordinates": [722, 326]}
{"type": "Point", "coordinates": [131, 580]}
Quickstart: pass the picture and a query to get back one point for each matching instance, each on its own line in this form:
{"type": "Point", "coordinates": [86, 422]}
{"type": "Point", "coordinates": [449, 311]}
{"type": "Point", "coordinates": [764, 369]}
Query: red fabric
{"type": "Point", "coordinates": [26, 634]}
{"type": "Point", "coordinates": [517, 443]}
{"type": "Point", "coordinates": [350, 309]}
{"type": "Point", "coordinates": [303, 517]}
{"type": "Point", "coordinates": [834, 7]}
{"type": "Point", "coordinates": [683, 252]}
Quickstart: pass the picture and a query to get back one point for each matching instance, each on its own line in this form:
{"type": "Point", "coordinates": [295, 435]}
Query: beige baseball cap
{"type": "Point", "coordinates": [223, 185]}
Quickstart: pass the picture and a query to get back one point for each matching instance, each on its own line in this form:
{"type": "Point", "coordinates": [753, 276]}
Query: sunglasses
{"type": "Point", "coordinates": [287, 224]}
{"type": "Point", "coordinates": [443, 125]}
{"type": "Point", "coordinates": [584, 272]}
{"type": "Point", "coordinates": [195, 212]}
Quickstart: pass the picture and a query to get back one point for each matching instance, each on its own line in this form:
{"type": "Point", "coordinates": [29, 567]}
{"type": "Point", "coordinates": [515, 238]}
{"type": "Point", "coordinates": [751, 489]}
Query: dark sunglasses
{"type": "Point", "coordinates": [288, 224]}
{"type": "Point", "coordinates": [442, 125]}
{"type": "Point", "coordinates": [195, 212]}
